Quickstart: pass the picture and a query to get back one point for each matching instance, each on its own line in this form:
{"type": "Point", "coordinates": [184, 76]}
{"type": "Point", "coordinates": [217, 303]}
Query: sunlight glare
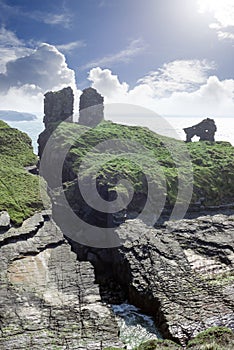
{"type": "Point", "coordinates": [210, 5]}
{"type": "Point", "coordinates": [221, 10]}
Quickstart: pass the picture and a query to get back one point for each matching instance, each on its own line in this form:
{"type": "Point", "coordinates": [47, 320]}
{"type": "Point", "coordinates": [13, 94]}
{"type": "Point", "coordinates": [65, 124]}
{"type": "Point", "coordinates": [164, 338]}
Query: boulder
{"type": "Point", "coordinates": [5, 220]}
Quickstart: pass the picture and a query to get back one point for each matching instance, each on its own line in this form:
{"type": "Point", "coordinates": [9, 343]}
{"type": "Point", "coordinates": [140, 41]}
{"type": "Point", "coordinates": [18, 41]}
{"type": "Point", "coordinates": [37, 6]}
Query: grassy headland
{"type": "Point", "coordinates": [19, 190]}
{"type": "Point", "coordinates": [143, 153]}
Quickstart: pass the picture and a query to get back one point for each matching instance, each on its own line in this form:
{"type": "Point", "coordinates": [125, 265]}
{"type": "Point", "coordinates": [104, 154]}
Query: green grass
{"type": "Point", "coordinates": [213, 169]}
{"type": "Point", "coordinates": [19, 190]}
{"type": "Point", "coordinates": [158, 345]}
{"type": "Point", "coordinates": [214, 338]}
{"type": "Point", "coordinates": [155, 156]}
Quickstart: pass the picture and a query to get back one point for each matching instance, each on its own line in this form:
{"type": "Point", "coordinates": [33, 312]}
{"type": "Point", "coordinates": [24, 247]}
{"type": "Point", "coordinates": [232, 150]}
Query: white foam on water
{"type": "Point", "coordinates": [135, 327]}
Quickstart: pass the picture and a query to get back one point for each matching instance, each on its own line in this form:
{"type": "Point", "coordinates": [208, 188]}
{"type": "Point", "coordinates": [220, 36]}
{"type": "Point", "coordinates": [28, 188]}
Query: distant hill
{"type": "Point", "coordinates": [16, 116]}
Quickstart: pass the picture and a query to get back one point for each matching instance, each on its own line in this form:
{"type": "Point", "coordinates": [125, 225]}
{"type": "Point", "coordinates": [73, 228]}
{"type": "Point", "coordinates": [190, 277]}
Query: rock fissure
{"type": "Point", "coordinates": [165, 285]}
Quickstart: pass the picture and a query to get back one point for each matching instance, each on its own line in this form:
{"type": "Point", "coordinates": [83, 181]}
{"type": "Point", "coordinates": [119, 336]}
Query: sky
{"type": "Point", "coordinates": [174, 57]}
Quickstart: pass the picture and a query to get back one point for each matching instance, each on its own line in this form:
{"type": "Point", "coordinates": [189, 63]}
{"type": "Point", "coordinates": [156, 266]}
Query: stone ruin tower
{"type": "Point", "coordinates": [91, 107]}
{"type": "Point", "coordinates": [58, 106]}
{"type": "Point", "coordinates": [205, 130]}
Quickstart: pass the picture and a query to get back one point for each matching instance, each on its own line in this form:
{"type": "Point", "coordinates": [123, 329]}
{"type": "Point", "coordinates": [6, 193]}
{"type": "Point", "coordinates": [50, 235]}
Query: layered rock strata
{"type": "Point", "coordinates": [182, 274]}
{"type": "Point", "coordinates": [49, 300]}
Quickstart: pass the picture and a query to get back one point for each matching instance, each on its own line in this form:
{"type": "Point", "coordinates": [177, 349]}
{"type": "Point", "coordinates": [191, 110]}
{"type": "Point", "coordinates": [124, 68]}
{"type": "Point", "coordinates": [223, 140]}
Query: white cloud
{"type": "Point", "coordinates": [25, 79]}
{"type": "Point", "coordinates": [27, 98]}
{"type": "Point", "coordinates": [208, 97]}
{"type": "Point", "coordinates": [214, 98]}
{"type": "Point", "coordinates": [182, 87]}
{"type": "Point", "coordinates": [179, 75]}
{"type": "Point", "coordinates": [11, 48]}
{"type": "Point", "coordinates": [223, 15]}
{"type": "Point", "coordinates": [133, 49]}
{"type": "Point", "coordinates": [63, 19]}
{"type": "Point", "coordinates": [107, 83]}
{"type": "Point", "coordinates": [45, 67]}
{"type": "Point", "coordinates": [8, 38]}
{"type": "Point", "coordinates": [69, 47]}
{"type": "Point", "coordinates": [225, 35]}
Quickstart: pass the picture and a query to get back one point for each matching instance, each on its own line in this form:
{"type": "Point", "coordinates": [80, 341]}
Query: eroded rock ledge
{"type": "Point", "coordinates": [49, 299]}
{"type": "Point", "coordinates": [182, 273]}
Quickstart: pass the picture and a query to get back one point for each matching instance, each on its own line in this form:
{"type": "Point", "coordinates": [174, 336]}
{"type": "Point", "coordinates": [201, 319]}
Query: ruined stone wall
{"type": "Point", "coordinates": [58, 106]}
{"type": "Point", "coordinates": [91, 107]}
{"type": "Point", "coordinates": [205, 130]}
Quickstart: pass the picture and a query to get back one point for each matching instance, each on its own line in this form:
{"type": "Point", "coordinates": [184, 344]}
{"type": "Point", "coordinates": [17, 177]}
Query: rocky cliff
{"type": "Point", "coordinates": [49, 300]}
{"type": "Point", "coordinates": [182, 273]}
{"type": "Point", "coordinates": [56, 291]}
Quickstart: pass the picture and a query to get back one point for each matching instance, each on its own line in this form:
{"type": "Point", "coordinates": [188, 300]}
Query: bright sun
{"type": "Point", "coordinates": [210, 5]}
{"type": "Point", "coordinates": [222, 11]}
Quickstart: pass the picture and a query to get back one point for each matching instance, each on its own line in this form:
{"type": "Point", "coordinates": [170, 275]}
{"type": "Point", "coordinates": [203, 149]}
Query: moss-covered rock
{"type": "Point", "coordinates": [111, 348]}
{"type": "Point", "coordinates": [211, 163]}
{"type": "Point", "coordinates": [215, 338]}
{"type": "Point", "coordinates": [158, 345]}
{"type": "Point", "coordinates": [19, 190]}
{"type": "Point", "coordinates": [213, 171]}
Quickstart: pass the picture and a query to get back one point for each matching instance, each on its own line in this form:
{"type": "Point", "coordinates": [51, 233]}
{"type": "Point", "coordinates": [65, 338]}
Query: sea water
{"type": "Point", "coordinates": [135, 327]}
{"type": "Point", "coordinates": [33, 128]}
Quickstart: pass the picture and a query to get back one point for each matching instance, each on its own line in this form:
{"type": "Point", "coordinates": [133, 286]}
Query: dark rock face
{"type": "Point", "coordinates": [205, 130]}
{"type": "Point", "coordinates": [181, 274]}
{"type": "Point", "coordinates": [48, 299]}
{"type": "Point", "coordinates": [58, 106]}
{"type": "Point", "coordinates": [91, 108]}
